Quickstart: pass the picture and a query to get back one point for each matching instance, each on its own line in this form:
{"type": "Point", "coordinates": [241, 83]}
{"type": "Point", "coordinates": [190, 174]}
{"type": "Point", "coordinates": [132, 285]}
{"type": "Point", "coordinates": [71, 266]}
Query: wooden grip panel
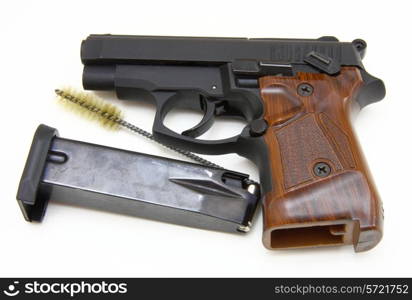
{"type": "Point", "coordinates": [322, 191]}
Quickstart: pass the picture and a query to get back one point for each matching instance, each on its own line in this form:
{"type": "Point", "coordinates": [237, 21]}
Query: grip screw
{"type": "Point", "coordinates": [305, 89]}
{"type": "Point", "coordinates": [322, 169]}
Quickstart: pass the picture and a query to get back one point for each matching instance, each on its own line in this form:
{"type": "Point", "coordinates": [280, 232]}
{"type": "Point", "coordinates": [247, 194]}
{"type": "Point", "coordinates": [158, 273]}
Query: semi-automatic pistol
{"type": "Point", "coordinates": [298, 97]}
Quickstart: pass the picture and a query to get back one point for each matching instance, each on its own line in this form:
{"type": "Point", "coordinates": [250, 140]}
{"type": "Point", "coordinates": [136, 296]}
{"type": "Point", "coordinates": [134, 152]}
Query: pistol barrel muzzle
{"type": "Point", "coordinates": [99, 77]}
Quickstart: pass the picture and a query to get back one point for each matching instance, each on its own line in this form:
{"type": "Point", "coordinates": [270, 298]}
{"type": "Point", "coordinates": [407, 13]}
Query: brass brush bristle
{"type": "Point", "coordinates": [91, 106]}
{"type": "Point", "coordinates": [110, 116]}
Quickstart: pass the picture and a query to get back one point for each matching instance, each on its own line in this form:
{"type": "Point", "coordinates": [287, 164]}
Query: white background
{"type": "Point", "coordinates": [40, 42]}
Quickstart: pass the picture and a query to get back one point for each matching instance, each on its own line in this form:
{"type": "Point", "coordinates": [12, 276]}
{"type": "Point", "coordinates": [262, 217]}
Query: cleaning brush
{"type": "Point", "coordinates": [111, 117]}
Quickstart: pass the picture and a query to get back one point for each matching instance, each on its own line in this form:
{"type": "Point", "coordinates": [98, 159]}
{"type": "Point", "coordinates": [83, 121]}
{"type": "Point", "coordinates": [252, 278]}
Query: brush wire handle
{"type": "Point", "coordinates": [322, 192]}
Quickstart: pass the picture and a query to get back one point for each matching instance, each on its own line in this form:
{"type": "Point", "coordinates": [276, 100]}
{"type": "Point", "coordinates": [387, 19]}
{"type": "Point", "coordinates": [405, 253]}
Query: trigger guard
{"type": "Point", "coordinates": [206, 122]}
{"type": "Point", "coordinates": [166, 136]}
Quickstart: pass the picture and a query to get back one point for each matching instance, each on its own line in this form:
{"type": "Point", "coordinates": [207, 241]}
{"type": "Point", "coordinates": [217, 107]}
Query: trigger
{"type": "Point", "coordinates": [206, 122]}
